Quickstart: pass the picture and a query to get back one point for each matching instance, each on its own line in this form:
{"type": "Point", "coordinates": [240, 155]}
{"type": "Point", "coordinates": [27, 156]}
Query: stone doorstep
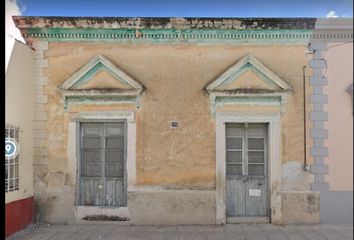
{"type": "Point", "coordinates": [107, 223]}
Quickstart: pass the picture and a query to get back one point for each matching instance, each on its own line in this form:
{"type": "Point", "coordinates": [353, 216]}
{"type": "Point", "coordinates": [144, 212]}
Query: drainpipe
{"type": "Point", "coordinates": [306, 166]}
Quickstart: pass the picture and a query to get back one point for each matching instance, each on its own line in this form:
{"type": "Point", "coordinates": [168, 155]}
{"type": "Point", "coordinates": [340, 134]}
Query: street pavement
{"type": "Point", "coordinates": [228, 232]}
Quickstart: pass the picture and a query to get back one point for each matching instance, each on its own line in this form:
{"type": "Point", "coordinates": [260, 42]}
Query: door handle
{"type": "Point", "coordinates": [260, 184]}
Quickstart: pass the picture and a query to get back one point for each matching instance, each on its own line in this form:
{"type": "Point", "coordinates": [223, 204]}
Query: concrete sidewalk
{"type": "Point", "coordinates": [227, 232]}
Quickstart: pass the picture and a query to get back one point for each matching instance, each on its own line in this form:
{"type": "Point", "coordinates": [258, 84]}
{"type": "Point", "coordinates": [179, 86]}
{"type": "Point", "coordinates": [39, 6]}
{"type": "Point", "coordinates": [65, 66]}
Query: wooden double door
{"type": "Point", "coordinates": [246, 171]}
{"type": "Point", "coordinates": [102, 168]}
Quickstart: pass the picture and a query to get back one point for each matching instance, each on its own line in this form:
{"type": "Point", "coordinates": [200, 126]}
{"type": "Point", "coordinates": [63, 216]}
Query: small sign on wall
{"type": "Point", "coordinates": [254, 192]}
{"type": "Point", "coordinates": [174, 124]}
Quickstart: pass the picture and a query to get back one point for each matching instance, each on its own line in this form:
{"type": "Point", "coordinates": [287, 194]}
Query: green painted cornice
{"type": "Point", "coordinates": [167, 30]}
{"type": "Point", "coordinates": [177, 30]}
{"type": "Point", "coordinates": [232, 36]}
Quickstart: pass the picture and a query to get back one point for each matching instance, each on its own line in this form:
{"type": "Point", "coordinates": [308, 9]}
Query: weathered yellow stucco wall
{"type": "Point", "coordinates": [19, 104]}
{"type": "Point", "coordinates": [174, 77]}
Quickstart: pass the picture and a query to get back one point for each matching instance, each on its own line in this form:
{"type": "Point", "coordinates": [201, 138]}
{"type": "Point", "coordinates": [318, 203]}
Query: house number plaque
{"type": "Point", "coordinates": [174, 124]}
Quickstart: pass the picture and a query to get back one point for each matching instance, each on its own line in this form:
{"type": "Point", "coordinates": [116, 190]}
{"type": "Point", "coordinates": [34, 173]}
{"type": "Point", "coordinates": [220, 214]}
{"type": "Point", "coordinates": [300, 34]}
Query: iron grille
{"type": "Point", "coordinates": [12, 164]}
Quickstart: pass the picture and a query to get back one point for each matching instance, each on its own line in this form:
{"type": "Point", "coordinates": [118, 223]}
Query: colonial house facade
{"type": "Point", "coordinates": [184, 120]}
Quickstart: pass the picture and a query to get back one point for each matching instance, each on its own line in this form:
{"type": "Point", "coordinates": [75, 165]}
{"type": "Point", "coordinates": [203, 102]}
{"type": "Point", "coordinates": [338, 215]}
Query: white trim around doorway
{"type": "Point", "coordinates": [73, 132]}
{"type": "Point", "coordinates": [274, 157]}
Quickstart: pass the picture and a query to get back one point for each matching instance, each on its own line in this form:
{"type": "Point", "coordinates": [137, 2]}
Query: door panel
{"type": "Point", "coordinates": [115, 192]}
{"type": "Point", "coordinates": [114, 164]}
{"type": "Point", "coordinates": [91, 163]}
{"type": "Point", "coordinates": [90, 193]}
{"type": "Point", "coordinates": [246, 170]}
{"type": "Point", "coordinates": [97, 192]}
{"type": "Point", "coordinates": [255, 196]}
{"type": "Point", "coordinates": [102, 175]}
{"type": "Point", "coordinates": [86, 191]}
{"type": "Point", "coordinates": [234, 196]}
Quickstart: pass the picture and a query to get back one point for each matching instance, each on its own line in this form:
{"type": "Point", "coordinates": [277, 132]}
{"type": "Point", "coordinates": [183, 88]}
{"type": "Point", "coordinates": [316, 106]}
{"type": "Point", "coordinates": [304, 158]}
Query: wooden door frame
{"type": "Point", "coordinates": [274, 160]}
{"type": "Point", "coordinates": [130, 159]}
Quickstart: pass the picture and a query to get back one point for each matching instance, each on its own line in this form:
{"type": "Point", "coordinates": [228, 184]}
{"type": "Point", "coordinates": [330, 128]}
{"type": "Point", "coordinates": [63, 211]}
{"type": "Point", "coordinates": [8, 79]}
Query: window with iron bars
{"type": "Point", "coordinates": [12, 164]}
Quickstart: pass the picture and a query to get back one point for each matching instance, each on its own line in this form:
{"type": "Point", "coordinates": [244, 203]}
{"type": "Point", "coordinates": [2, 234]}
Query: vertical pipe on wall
{"type": "Point", "coordinates": [306, 167]}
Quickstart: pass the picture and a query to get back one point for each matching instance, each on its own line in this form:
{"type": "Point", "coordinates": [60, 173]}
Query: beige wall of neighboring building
{"type": "Point", "coordinates": [19, 104]}
{"type": "Point", "coordinates": [339, 58]}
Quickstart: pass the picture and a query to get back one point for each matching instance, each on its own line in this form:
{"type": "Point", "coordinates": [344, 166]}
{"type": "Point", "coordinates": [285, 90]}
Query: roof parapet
{"type": "Point", "coordinates": [164, 23]}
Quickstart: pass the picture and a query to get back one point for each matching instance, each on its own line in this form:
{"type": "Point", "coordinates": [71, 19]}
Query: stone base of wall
{"type": "Point", "coordinates": [174, 207]}
{"type": "Point", "coordinates": [152, 207]}
{"type": "Point", "coordinates": [300, 207]}
{"type": "Point", "coordinates": [180, 207]}
{"type": "Point", "coordinates": [56, 206]}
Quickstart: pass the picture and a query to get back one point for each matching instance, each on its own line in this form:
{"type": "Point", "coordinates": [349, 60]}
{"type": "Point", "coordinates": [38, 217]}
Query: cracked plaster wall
{"type": "Point", "coordinates": [174, 76]}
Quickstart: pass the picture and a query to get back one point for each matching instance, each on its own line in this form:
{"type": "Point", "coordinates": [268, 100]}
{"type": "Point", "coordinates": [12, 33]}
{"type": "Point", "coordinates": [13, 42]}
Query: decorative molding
{"type": "Point", "coordinates": [276, 95]}
{"type": "Point", "coordinates": [72, 93]}
{"type": "Point", "coordinates": [277, 99]}
{"type": "Point", "coordinates": [332, 35]}
{"type": "Point", "coordinates": [93, 66]}
{"type": "Point", "coordinates": [127, 115]}
{"type": "Point", "coordinates": [249, 63]}
{"type": "Point", "coordinates": [198, 36]}
{"type": "Point", "coordinates": [183, 30]}
{"type": "Point", "coordinates": [217, 36]}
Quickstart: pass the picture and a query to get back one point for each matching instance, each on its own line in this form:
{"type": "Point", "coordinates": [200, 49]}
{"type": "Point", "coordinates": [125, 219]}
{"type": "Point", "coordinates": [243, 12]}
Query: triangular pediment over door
{"type": "Point", "coordinates": [247, 80]}
{"type": "Point", "coordinates": [100, 80]}
{"type": "Point", "coordinates": [249, 74]}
